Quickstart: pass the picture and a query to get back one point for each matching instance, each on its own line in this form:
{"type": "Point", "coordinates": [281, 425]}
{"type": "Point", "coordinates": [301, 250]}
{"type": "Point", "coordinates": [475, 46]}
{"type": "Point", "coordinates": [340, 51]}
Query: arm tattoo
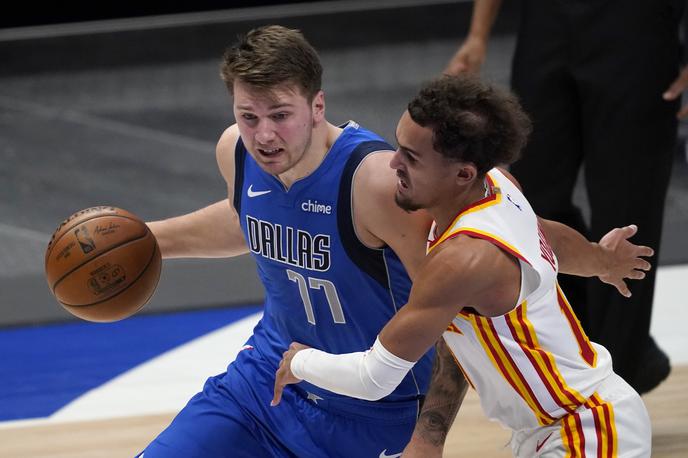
{"type": "Point", "coordinates": [447, 390]}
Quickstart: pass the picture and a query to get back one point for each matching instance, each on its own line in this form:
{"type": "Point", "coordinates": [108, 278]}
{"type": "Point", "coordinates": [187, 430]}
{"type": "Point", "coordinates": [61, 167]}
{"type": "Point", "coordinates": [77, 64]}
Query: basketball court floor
{"type": "Point", "coordinates": [141, 136]}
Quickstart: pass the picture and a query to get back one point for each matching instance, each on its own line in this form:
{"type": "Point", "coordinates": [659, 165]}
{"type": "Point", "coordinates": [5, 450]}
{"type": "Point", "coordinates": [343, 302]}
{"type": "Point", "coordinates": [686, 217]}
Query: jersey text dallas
{"type": "Point", "coordinates": [291, 246]}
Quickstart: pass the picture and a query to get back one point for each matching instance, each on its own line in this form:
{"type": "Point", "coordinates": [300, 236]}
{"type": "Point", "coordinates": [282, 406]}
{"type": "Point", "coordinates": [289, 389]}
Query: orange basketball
{"type": "Point", "coordinates": [102, 264]}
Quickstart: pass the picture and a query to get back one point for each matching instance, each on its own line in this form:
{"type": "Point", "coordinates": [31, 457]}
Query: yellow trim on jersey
{"type": "Point", "coordinates": [453, 328]}
{"type": "Point", "coordinates": [542, 360]}
{"type": "Point", "coordinates": [491, 200]}
{"type": "Point", "coordinates": [603, 413]}
{"type": "Point", "coordinates": [579, 334]}
{"type": "Point", "coordinates": [497, 198]}
{"type": "Point", "coordinates": [479, 233]}
{"type": "Point", "coordinates": [492, 345]}
{"type": "Point", "coordinates": [615, 435]}
{"type": "Point", "coordinates": [571, 433]}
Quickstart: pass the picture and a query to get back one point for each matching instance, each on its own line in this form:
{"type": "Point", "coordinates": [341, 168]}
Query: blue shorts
{"type": "Point", "coordinates": [232, 417]}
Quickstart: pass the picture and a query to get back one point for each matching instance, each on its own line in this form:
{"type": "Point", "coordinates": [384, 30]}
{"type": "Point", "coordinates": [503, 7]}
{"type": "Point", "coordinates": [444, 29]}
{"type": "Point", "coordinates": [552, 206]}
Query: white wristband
{"type": "Point", "coordinates": [369, 375]}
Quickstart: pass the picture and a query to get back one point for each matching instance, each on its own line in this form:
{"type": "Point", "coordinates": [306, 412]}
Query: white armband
{"type": "Point", "coordinates": [369, 375]}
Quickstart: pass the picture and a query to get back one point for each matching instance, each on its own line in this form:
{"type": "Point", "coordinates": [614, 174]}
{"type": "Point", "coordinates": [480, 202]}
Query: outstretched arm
{"type": "Point", "coordinates": [210, 232]}
{"type": "Point", "coordinates": [460, 272]}
{"type": "Point", "coordinates": [213, 231]}
{"type": "Point", "coordinates": [612, 260]}
{"type": "Point", "coordinates": [448, 387]}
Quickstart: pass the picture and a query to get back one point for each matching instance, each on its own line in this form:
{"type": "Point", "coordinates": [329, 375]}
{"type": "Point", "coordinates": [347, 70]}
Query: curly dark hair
{"type": "Point", "coordinates": [472, 121]}
{"type": "Point", "coordinates": [271, 55]}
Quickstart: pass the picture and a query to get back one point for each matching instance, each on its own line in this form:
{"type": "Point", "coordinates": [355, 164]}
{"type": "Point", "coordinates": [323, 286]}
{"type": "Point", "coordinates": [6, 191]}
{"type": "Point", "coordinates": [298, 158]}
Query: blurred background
{"type": "Point", "coordinates": [112, 104]}
{"type": "Point", "coordinates": [125, 110]}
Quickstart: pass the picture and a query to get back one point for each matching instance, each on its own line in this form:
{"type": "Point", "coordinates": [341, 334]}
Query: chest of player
{"type": "Point", "coordinates": [294, 227]}
{"type": "Point", "coordinates": [285, 240]}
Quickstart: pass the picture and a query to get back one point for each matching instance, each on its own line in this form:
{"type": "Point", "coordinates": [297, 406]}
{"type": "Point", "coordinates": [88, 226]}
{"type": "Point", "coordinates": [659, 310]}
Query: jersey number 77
{"type": "Point", "coordinates": [315, 284]}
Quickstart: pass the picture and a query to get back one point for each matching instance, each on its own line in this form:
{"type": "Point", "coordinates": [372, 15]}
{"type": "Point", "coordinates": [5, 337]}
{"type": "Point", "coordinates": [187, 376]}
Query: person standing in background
{"type": "Point", "coordinates": [599, 79]}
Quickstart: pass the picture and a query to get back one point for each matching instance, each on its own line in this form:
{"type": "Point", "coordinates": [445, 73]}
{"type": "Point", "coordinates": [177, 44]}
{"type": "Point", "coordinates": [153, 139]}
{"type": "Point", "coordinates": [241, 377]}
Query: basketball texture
{"type": "Point", "coordinates": [102, 264]}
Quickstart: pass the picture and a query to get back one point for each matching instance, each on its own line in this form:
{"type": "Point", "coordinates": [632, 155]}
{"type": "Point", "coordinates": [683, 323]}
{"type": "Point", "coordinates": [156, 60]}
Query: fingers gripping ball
{"type": "Point", "coordinates": [102, 264]}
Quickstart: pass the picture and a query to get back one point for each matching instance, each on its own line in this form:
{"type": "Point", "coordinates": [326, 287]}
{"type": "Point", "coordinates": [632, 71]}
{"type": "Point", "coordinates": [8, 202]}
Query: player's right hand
{"type": "Point", "coordinates": [284, 376]}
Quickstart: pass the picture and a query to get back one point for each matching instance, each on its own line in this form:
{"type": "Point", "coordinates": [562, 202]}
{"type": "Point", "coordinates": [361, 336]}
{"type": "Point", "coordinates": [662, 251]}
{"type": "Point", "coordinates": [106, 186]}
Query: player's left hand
{"type": "Point", "coordinates": [283, 376]}
{"type": "Point", "coordinates": [623, 258]}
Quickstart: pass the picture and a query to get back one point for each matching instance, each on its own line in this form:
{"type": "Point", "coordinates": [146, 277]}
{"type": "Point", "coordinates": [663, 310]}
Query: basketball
{"type": "Point", "coordinates": [102, 264]}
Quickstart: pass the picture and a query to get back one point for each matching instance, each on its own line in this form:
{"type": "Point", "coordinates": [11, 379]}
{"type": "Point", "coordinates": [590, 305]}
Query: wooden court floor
{"type": "Point", "coordinates": [471, 436]}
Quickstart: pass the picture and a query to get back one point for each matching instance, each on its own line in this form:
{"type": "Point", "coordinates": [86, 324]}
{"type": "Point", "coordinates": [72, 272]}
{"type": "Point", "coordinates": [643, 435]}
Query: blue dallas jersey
{"type": "Point", "coordinates": [323, 287]}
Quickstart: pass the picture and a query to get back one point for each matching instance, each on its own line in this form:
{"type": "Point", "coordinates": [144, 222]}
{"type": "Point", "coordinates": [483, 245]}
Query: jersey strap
{"type": "Point", "coordinates": [239, 161]}
{"type": "Point", "coordinates": [371, 261]}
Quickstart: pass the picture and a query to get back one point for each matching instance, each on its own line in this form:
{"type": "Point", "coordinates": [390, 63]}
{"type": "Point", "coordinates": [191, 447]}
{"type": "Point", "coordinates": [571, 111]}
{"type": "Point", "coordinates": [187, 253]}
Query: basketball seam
{"type": "Point", "coordinates": [155, 251]}
{"type": "Point", "coordinates": [57, 282]}
{"type": "Point", "coordinates": [51, 245]}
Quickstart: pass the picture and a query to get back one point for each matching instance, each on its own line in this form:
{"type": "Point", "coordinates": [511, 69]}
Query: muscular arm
{"type": "Point", "coordinates": [213, 231]}
{"type": "Point", "coordinates": [447, 390]}
{"type": "Point", "coordinates": [379, 220]}
{"type": "Point", "coordinates": [460, 272]}
{"type": "Point", "coordinates": [575, 254]}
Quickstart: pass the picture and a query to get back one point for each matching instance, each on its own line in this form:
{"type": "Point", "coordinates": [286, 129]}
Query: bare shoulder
{"type": "Point", "coordinates": [372, 190]}
{"type": "Point", "coordinates": [377, 163]}
{"type": "Point", "coordinates": [379, 220]}
{"type": "Point", "coordinates": [375, 177]}
{"type": "Point", "coordinates": [463, 268]}
{"type": "Point", "coordinates": [224, 152]}
{"type": "Point", "coordinates": [453, 261]}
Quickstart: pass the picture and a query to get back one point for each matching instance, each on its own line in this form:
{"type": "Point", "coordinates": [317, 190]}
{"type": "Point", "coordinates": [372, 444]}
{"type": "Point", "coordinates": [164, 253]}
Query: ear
{"type": "Point", "coordinates": [318, 107]}
{"type": "Point", "coordinates": [466, 174]}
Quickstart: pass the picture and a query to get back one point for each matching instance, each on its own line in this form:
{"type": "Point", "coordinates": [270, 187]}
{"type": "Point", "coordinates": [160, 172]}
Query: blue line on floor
{"type": "Point", "coordinates": [44, 368]}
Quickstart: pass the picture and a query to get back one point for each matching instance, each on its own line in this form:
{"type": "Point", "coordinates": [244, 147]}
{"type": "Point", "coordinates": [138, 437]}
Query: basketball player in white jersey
{"type": "Point", "coordinates": [489, 286]}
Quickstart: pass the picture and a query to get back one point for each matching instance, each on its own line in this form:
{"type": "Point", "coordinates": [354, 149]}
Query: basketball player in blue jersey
{"type": "Point", "coordinates": [314, 204]}
{"type": "Point", "coordinates": [489, 287]}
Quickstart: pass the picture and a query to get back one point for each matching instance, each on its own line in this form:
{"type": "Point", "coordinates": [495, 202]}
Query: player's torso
{"type": "Point", "coordinates": [533, 364]}
{"type": "Point", "coordinates": [323, 287]}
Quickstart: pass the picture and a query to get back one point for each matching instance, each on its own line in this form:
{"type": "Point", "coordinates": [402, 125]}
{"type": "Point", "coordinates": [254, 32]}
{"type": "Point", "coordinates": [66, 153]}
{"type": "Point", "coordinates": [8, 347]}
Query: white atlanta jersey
{"type": "Point", "coordinates": [533, 365]}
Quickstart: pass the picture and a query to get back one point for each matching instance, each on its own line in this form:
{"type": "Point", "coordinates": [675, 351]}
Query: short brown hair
{"type": "Point", "coordinates": [271, 55]}
{"type": "Point", "coordinates": [472, 121]}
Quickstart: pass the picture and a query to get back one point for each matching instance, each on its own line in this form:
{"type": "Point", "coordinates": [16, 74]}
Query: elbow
{"type": "Point", "coordinates": [375, 396]}
{"type": "Point", "coordinates": [378, 391]}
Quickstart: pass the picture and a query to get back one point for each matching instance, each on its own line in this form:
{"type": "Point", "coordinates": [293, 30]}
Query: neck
{"type": "Point", "coordinates": [446, 211]}
{"type": "Point", "coordinates": [324, 135]}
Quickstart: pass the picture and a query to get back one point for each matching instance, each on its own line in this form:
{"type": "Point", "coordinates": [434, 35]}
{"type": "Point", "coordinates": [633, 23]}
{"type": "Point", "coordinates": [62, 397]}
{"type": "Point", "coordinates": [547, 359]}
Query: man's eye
{"type": "Point", "coordinates": [248, 117]}
{"type": "Point", "coordinates": [279, 116]}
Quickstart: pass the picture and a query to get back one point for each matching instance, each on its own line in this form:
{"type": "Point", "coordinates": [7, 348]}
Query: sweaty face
{"type": "Point", "coordinates": [424, 175]}
{"type": "Point", "coordinates": [275, 125]}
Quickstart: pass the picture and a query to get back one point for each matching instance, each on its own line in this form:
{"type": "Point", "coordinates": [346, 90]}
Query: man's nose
{"type": "Point", "coordinates": [265, 133]}
{"type": "Point", "coordinates": [395, 162]}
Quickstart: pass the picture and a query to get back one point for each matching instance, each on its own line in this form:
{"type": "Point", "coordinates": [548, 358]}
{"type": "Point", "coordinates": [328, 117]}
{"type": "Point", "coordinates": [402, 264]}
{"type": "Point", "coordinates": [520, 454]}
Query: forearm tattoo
{"type": "Point", "coordinates": [447, 390]}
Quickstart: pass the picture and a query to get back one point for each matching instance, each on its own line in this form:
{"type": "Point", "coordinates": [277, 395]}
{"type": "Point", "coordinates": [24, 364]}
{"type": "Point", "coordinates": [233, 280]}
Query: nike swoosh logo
{"type": "Point", "coordinates": [539, 444]}
{"type": "Point", "coordinates": [384, 454]}
{"type": "Point", "coordinates": [252, 193]}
